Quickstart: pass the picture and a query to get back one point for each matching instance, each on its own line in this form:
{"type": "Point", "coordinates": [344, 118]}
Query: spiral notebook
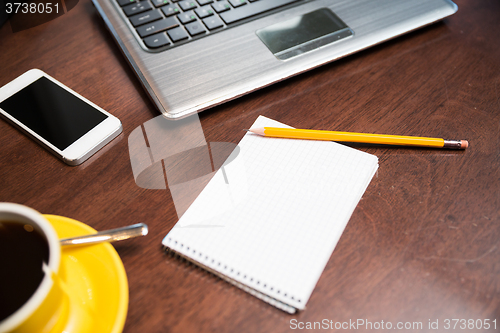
{"type": "Point", "coordinates": [269, 220]}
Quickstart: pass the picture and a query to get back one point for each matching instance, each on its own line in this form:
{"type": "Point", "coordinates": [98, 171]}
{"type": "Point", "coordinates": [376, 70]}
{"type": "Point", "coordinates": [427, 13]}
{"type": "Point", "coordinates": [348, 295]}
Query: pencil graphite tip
{"type": "Point", "coordinates": [259, 131]}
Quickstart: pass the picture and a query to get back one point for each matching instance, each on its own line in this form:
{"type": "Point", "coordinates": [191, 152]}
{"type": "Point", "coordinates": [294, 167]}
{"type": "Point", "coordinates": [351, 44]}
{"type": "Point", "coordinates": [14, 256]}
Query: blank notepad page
{"type": "Point", "coordinates": [269, 219]}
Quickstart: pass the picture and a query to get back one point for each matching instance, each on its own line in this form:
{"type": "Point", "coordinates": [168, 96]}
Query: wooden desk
{"type": "Point", "coordinates": [423, 244]}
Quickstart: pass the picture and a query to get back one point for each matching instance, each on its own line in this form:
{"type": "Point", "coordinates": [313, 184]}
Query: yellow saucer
{"type": "Point", "coordinates": [96, 274]}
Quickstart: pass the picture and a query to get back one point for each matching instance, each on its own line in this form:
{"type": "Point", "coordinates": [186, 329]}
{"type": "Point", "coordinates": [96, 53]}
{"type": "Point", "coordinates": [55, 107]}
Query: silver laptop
{"type": "Point", "coordinates": [191, 55]}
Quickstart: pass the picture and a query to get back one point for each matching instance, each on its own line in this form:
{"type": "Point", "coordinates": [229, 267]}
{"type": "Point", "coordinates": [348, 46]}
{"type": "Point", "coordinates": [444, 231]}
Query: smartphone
{"type": "Point", "coordinates": [65, 123]}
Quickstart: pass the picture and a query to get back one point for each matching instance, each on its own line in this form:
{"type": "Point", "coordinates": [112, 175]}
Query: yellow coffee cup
{"type": "Point", "coordinates": [34, 295]}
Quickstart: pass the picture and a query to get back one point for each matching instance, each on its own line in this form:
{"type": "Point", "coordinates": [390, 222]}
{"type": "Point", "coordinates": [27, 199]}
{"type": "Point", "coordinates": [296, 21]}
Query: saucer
{"type": "Point", "coordinates": [96, 274]}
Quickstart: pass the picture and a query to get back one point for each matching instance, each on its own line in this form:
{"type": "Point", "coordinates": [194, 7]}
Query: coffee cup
{"type": "Point", "coordinates": [34, 297]}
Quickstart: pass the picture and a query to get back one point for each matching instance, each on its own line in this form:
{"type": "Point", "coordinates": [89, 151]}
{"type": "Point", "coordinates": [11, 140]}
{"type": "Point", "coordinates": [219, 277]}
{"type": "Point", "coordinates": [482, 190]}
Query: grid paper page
{"type": "Point", "coordinates": [273, 221]}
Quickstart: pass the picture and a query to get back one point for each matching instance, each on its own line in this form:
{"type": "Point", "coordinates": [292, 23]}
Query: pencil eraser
{"type": "Point", "coordinates": [464, 144]}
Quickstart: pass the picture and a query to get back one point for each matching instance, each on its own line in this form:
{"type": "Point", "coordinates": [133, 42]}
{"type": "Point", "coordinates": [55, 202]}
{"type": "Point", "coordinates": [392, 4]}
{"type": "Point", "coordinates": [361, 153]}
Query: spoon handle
{"type": "Point", "coordinates": [112, 235]}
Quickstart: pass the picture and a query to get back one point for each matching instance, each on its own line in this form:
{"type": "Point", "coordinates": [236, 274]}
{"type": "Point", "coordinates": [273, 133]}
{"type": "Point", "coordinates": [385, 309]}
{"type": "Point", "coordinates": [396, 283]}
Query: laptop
{"type": "Point", "coordinates": [191, 55]}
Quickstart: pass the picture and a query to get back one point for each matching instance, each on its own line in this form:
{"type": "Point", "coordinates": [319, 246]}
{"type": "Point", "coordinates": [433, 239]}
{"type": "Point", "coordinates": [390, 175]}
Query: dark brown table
{"type": "Point", "coordinates": [423, 244]}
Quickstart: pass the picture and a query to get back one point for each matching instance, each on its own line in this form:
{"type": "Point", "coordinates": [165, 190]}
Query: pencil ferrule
{"type": "Point", "coordinates": [452, 144]}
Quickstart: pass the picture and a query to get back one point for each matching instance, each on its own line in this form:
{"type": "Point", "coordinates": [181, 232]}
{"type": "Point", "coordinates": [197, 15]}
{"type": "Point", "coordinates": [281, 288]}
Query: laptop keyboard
{"type": "Point", "coordinates": [164, 23]}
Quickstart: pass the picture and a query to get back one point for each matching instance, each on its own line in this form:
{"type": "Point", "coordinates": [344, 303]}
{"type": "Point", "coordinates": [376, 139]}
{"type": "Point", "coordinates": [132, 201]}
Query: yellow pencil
{"type": "Point", "coordinates": [292, 133]}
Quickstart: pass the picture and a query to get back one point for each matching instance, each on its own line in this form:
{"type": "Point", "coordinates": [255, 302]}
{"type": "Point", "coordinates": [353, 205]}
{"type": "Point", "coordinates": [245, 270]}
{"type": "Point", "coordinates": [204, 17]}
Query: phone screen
{"type": "Point", "coordinates": [52, 112]}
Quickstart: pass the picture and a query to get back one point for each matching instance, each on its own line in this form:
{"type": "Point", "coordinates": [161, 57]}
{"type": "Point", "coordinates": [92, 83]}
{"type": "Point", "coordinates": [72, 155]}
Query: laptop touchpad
{"type": "Point", "coordinates": [304, 33]}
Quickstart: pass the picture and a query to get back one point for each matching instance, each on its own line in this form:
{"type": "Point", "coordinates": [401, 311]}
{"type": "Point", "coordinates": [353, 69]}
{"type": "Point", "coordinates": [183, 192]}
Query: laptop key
{"type": "Point", "coordinates": [186, 17]}
{"type": "Point", "coordinates": [157, 26]}
{"type": "Point", "coordinates": [187, 5]}
{"type": "Point", "coordinates": [237, 3]}
{"type": "Point", "coordinates": [204, 2]}
{"type": "Point", "coordinates": [195, 28]}
{"type": "Point", "coordinates": [126, 2]}
{"type": "Point", "coordinates": [144, 18]}
{"type": "Point", "coordinates": [156, 41]}
{"type": "Point", "coordinates": [137, 8]}
{"type": "Point", "coordinates": [159, 3]}
{"type": "Point", "coordinates": [170, 10]}
{"type": "Point", "coordinates": [256, 8]}
{"type": "Point", "coordinates": [177, 34]}
{"type": "Point", "coordinates": [221, 6]}
{"type": "Point", "coordinates": [205, 11]}
{"type": "Point", "coordinates": [213, 22]}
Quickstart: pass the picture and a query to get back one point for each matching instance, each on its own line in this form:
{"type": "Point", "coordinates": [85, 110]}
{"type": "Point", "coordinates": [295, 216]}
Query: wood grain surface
{"type": "Point", "coordinates": [423, 243]}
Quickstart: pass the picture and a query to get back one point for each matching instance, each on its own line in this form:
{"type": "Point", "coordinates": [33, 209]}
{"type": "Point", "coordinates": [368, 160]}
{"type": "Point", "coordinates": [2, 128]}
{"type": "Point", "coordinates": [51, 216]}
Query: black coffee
{"type": "Point", "coordinates": [22, 252]}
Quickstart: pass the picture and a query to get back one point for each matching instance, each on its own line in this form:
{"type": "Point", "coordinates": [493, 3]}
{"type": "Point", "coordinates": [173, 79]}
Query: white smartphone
{"type": "Point", "coordinates": [62, 121]}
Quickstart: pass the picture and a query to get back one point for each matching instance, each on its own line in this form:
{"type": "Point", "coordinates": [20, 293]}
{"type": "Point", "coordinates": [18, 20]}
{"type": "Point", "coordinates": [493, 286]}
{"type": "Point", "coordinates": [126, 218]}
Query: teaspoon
{"type": "Point", "coordinates": [111, 235]}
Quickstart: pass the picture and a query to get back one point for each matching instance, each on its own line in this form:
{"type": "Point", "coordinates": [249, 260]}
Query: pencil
{"type": "Point", "coordinates": [385, 139]}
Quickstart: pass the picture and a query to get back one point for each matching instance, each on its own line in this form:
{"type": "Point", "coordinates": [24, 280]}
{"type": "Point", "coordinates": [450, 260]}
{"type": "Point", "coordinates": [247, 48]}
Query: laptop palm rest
{"type": "Point", "coordinates": [304, 33]}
